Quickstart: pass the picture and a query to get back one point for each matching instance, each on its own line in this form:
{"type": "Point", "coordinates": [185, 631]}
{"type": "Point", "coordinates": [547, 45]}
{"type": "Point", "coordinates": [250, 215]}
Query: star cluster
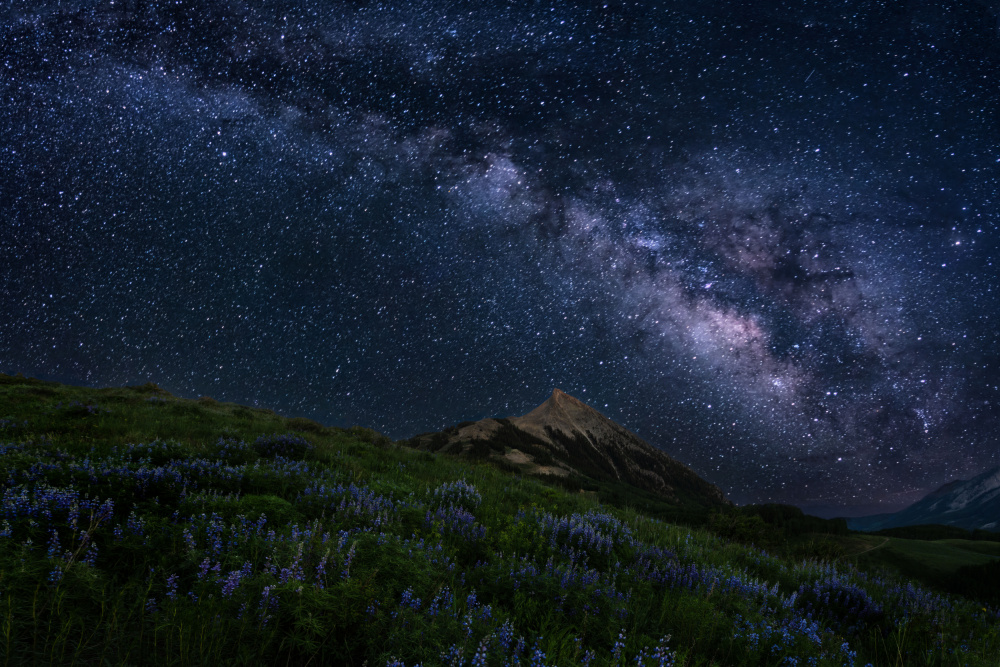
{"type": "Point", "coordinates": [761, 237]}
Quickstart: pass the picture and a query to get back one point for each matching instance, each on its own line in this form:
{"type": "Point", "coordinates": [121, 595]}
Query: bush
{"type": "Point", "coordinates": [979, 582]}
{"type": "Point", "coordinates": [306, 425]}
{"type": "Point", "coordinates": [371, 436]}
{"type": "Point", "coordinates": [279, 512]}
{"type": "Point", "coordinates": [479, 450]}
{"type": "Point", "coordinates": [150, 388]}
{"type": "Point", "coordinates": [289, 446]}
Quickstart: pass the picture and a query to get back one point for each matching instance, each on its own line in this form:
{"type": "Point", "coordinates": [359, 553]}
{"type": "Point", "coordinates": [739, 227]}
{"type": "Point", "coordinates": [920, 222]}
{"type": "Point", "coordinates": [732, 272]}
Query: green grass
{"type": "Point", "coordinates": [934, 558]}
{"type": "Point", "coordinates": [986, 548]}
{"type": "Point", "coordinates": [141, 528]}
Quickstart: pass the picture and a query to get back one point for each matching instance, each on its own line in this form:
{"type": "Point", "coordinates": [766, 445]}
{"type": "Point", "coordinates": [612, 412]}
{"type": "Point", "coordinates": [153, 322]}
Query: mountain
{"type": "Point", "coordinates": [564, 437]}
{"type": "Point", "coordinates": [968, 504]}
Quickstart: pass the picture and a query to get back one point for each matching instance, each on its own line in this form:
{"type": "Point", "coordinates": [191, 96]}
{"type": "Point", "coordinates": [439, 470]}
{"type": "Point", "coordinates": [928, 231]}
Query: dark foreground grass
{"type": "Point", "coordinates": [138, 528]}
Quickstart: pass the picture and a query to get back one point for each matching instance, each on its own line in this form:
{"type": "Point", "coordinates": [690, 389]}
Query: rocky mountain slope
{"type": "Point", "coordinates": [565, 437]}
{"type": "Point", "coordinates": [968, 504]}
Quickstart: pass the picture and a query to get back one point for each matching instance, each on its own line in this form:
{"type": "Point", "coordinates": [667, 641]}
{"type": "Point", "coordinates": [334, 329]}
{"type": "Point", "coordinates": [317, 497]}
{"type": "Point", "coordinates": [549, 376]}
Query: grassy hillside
{"type": "Point", "coordinates": [988, 548]}
{"type": "Point", "coordinates": [939, 557]}
{"type": "Point", "coordinates": [139, 528]}
{"type": "Point", "coordinates": [967, 567]}
{"type": "Point", "coordinates": [939, 532]}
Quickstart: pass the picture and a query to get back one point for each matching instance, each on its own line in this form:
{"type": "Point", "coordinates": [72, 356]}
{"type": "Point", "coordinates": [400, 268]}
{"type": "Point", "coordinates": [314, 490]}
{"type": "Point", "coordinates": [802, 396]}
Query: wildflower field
{"type": "Point", "coordinates": [139, 528]}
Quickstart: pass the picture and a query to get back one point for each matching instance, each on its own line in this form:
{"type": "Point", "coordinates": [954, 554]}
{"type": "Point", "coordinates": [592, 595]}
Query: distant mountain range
{"type": "Point", "coordinates": [564, 437]}
{"type": "Point", "coordinates": [968, 504]}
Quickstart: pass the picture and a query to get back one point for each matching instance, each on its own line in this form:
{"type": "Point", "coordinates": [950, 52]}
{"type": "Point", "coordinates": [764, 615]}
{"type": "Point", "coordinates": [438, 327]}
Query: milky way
{"type": "Point", "coordinates": [761, 238]}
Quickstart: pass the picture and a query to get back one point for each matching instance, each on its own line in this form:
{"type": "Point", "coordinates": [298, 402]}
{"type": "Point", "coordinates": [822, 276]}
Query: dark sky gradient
{"type": "Point", "coordinates": [761, 235]}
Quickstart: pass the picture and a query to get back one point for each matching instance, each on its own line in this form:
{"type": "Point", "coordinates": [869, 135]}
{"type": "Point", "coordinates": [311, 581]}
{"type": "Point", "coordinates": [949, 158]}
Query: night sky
{"type": "Point", "coordinates": [760, 235]}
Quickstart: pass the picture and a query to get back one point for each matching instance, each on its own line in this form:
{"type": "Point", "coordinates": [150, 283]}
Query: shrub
{"type": "Point", "coordinates": [306, 425]}
{"type": "Point", "coordinates": [289, 446]}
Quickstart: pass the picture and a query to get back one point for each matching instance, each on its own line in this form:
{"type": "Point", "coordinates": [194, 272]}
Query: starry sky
{"type": "Point", "coordinates": [760, 235]}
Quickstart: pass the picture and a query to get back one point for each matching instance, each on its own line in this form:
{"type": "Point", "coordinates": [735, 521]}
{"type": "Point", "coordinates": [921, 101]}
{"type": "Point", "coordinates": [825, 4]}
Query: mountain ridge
{"type": "Point", "coordinates": [971, 504]}
{"type": "Point", "coordinates": [565, 437]}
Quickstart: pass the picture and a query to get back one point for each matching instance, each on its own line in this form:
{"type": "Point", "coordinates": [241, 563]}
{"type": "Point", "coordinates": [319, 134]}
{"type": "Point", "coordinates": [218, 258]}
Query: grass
{"type": "Point", "coordinates": [986, 548]}
{"type": "Point", "coordinates": [141, 528]}
{"type": "Point", "coordinates": [969, 567]}
{"type": "Point", "coordinates": [935, 557]}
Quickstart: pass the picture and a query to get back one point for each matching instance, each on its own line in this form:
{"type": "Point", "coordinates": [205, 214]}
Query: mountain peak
{"type": "Point", "coordinates": [561, 412]}
{"type": "Point", "coordinates": [564, 436]}
{"type": "Point", "coordinates": [561, 398]}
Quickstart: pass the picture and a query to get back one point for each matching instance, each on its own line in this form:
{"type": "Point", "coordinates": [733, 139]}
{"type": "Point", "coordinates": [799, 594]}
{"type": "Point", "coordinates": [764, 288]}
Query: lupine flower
{"type": "Point", "coordinates": [90, 558]}
{"type": "Point", "coordinates": [321, 569]}
{"type": "Point", "coordinates": [135, 524]}
{"type": "Point", "coordinates": [172, 587]}
{"type": "Point", "coordinates": [54, 547]}
{"type": "Point", "coordinates": [442, 600]}
{"type": "Point", "coordinates": [460, 493]}
{"type": "Point", "coordinates": [346, 572]}
{"type": "Point", "coordinates": [409, 600]}
{"type": "Point", "coordinates": [268, 603]}
{"type": "Point", "coordinates": [504, 636]}
{"type": "Point", "coordinates": [662, 655]}
{"type": "Point", "coordinates": [231, 582]}
{"type": "Point", "coordinates": [479, 659]}
{"type": "Point", "coordinates": [452, 655]}
{"type": "Point", "coordinates": [537, 655]}
{"type": "Point", "coordinates": [619, 646]}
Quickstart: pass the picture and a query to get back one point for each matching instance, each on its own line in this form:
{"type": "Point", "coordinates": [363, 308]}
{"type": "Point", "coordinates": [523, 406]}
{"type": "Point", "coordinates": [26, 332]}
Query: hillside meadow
{"type": "Point", "coordinates": [141, 528]}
